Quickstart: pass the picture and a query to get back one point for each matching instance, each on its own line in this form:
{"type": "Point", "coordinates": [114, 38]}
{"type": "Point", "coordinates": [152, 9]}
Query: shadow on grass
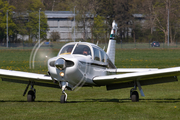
{"type": "Point", "coordinates": [162, 100]}
{"type": "Point", "coordinates": [1, 101]}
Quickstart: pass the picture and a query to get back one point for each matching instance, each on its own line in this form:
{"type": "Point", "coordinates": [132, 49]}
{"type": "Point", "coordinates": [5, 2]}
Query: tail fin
{"type": "Point", "coordinates": [112, 42]}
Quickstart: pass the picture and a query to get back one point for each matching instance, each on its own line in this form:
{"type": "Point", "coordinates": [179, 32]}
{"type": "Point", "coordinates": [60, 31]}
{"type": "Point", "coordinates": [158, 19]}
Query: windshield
{"type": "Point", "coordinates": [67, 49]}
{"type": "Point", "coordinates": [82, 49]}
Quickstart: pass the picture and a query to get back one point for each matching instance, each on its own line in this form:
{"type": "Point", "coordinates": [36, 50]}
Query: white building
{"type": "Point", "coordinates": [64, 23]}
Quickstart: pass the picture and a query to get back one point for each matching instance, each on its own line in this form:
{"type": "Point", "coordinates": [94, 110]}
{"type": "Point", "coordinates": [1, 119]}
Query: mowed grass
{"type": "Point", "coordinates": [161, 101]}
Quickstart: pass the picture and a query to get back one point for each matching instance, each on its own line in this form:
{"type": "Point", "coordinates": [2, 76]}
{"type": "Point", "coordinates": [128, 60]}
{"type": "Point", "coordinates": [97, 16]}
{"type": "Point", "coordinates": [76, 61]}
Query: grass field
{"type": "Point", "coordinates": [161, 101]}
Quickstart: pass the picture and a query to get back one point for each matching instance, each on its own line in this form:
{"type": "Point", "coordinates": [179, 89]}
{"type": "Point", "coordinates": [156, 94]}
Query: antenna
{"type": "Point", "coordinates": [104, 47]}
{"type": "Point", "coordinates": [97, 43]}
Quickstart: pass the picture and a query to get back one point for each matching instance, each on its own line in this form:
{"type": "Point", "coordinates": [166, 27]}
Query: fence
{"type": "Point", "coordinates": [58, 45]}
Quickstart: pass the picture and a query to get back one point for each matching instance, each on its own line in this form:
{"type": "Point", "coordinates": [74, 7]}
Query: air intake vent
{"type": "Point", "coordinates": [52, 63]}
{"type": "Point", "coordinates": [69, 63]}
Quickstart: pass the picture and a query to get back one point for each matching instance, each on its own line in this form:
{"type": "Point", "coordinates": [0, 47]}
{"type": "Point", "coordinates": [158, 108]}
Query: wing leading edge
{"type": "Point", "coordinates": [140, 76]}
{"type": "Point", "coordinates": [24, 77]}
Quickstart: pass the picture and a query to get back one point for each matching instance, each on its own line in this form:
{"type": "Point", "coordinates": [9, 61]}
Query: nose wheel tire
{"type": "Point", "coordinates": [31, 96]}
{"type": "Point", "coordinates": [63, 98]}
{"type": "Point", "coordinates": [135, 96]}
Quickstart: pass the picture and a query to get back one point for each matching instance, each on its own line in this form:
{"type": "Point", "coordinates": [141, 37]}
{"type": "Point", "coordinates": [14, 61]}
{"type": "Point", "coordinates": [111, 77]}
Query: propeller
{"type": "Point", "coordinates": [85, 73]}
{"type": "Point", "coordinates": [39, 55]}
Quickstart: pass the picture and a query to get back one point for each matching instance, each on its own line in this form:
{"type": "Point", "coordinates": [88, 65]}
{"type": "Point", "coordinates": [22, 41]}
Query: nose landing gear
{"type": "Point", "coordinates": [63, 98]}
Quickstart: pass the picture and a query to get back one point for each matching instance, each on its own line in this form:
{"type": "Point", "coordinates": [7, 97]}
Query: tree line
{"type": "Point", "coordinates": [137, 20]}
{"type": "Point", "coordinates": [22, 18]}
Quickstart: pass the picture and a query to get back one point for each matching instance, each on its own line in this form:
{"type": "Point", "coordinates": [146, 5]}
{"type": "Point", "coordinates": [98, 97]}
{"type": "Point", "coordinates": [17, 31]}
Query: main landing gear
{"type": "Point", "coordinates": [134, 96]}
{"type": "Point", "coordinates": [31, 93]}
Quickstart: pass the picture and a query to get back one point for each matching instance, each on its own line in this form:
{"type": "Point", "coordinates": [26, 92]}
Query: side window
{"type": "Point", "coordinates": [103, 56]}
{"type": "Point", "coordinates": [96, 54]}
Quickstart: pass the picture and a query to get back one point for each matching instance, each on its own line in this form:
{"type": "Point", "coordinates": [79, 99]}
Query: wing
{"type": "Point", "coordinates": [25, 77]}
{"type": "Point", "coordinates": [147, 77]}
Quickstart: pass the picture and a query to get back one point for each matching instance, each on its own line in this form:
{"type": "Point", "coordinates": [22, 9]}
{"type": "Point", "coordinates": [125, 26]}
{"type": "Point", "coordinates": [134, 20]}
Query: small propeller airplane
{"type": "Point", "coordinates": [80, 64]}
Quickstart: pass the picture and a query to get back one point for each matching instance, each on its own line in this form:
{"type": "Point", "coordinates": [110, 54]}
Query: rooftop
{"type": "Point", "coordinates": [59, 14]}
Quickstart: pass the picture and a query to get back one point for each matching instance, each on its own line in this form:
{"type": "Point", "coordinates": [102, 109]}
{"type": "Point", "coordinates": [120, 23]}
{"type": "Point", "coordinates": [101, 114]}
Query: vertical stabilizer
{"type": "Point", "coordinates": [112, 42]}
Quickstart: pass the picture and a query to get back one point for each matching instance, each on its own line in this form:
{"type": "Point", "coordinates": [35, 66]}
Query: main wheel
{"type": "Point", "coordinates": [31, 96]}
{"type": "Point", "coordinates": [135, 96]}
{"type": "Point", "coordinates": [63, 98]}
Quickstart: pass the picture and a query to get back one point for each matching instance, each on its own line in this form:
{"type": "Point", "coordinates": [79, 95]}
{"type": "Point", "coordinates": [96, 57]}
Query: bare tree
{"type": "Point", "coordinates": [53, 4]}
{"type": "Point", "coordinates": [123, 17]}
{"type": "Point", "coordinates": [86, 12]}
{"type": "Point", "coordinates": [156, 14]}
{"type": "Point", "coordinates": [162, 19]}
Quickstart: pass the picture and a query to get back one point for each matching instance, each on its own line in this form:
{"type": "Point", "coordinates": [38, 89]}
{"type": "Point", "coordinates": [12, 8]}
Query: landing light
{"type": "Point", "coordinates": [61, 74]}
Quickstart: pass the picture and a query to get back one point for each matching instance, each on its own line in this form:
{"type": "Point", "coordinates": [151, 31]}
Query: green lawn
{"type": "Point", "coordinates": [161, 101]}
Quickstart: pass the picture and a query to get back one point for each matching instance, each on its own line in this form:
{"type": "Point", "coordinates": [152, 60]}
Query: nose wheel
{"type": "Point", "coordinates": [63, 98]}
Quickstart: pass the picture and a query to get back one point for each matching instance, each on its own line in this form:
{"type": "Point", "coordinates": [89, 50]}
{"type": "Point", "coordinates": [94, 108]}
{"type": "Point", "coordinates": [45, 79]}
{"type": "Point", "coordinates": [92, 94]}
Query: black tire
{"type": "Point", "coordinates": [131, 94]}
{"type": "Point", "coordinates": [135, 96]}
{"type": "Point", "coordinates": [63, 98]}
{"type": "Point", "coordinates": [31, 96]}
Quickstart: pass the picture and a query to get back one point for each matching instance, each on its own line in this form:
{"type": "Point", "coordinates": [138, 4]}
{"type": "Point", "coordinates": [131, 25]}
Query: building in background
{"type": "Point", "coordinates": [61, 22]}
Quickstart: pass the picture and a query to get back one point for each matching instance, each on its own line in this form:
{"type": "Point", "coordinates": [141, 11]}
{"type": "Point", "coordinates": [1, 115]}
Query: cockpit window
{"type": "Point", "coordinates": [67, 49]}
{"type": "Point", "coordinates": [82, 49]}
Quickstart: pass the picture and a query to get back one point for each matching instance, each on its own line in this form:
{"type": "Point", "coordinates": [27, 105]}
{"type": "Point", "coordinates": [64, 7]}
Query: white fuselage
{"type": "Point", "coordinates": [80, 69]}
